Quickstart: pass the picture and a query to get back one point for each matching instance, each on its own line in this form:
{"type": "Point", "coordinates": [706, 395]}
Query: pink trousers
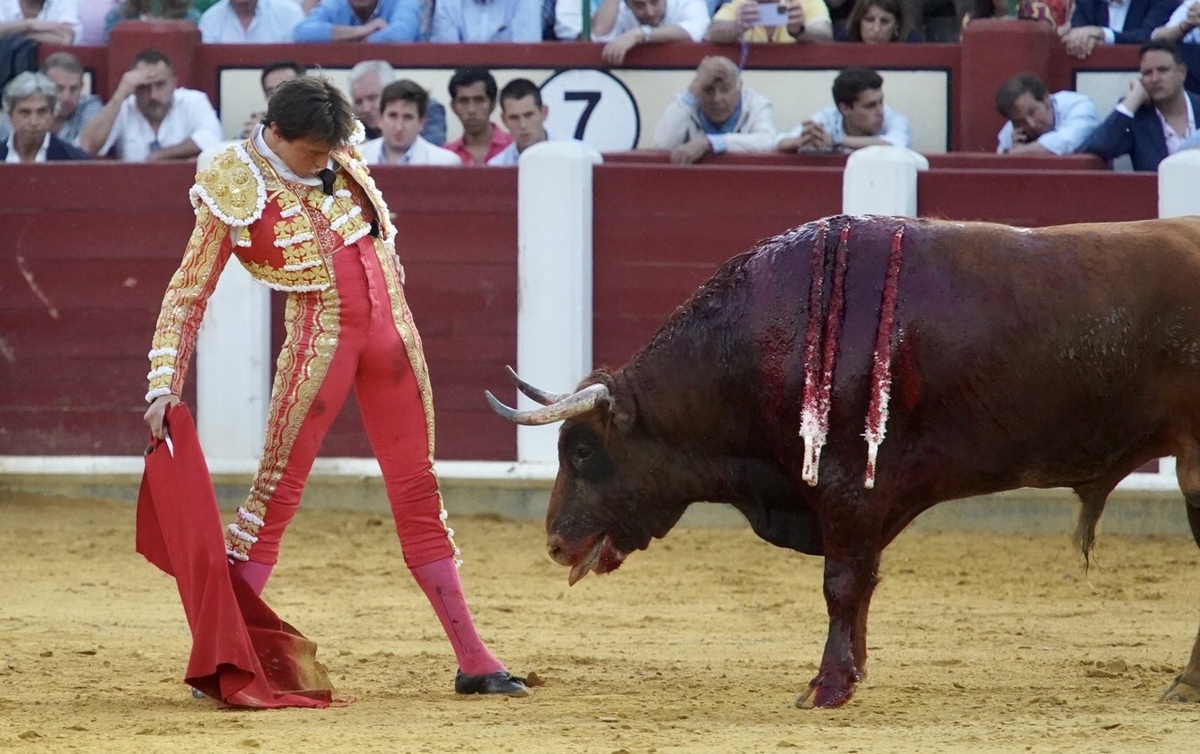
{"type": "Point", "coordinates": [343, 337]}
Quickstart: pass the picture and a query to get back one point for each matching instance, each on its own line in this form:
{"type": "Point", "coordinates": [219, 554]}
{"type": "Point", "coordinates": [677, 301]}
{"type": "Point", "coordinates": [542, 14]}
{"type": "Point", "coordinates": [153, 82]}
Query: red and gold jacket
{"type": "Point", "coordinates": [245, 209]}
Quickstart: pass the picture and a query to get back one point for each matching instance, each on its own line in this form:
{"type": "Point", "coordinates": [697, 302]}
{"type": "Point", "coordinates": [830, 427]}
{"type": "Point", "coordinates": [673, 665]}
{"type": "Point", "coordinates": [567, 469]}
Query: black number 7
{"type": "Point", "coordinates": [592, 99]}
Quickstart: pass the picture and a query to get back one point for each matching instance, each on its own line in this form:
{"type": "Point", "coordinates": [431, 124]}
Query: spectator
{"type": "Point", "coordinates": [144, 10]}
{"type": "Point", "coordinates": [272, 76]}
{"type": "Point", "coordinates": [148, 119]}
{"type": "Point", "coordinates": [367, 80]}
{"type": "Point", "coordinates": [1181, 27]}
{"type": "Point", "coordinates": [402, 116]}
{"type": "Point", "coordinates": [473, 98]}
{"type": "Point", "coordinates": [1056, 13]}
{"type": "Point", "coordinates": [29, 105]}
{"type": "Point", "coordinates": [91, 17]}
{"type": "Point", "coordinates": [362, 21]}
{"type": "Point", "coordinates": [1155, 117]}
{"type": "Point", "coordinates": [487, 21]}
{"type": "Point", "coordinates": [1040, 122]}
{"type": "Point", "coordinates": [858, 119]}
{"type": "Point", "coordinates": [524, 114]}
{"type": "Point", "coordinates": [43, 21]}
{"type": "Point", "coordinates": [625, 24]}
{"type": "Point", "coordinates": [879, 22]}
{"type": "Point", "coordinates": [70, 113]}
{"type": "Point", "coordinates": [741, 20]}
{"type": "Point", "coordinates": [250, 21]}
{"type": "Point", "coordinates": [1113, 22]}
{"type": "Point", "coordinates": [568, 18]}
{"type": "Point", "coordinates": [942, 20]}
{"type": "Point", "coordinates": [715, 114]}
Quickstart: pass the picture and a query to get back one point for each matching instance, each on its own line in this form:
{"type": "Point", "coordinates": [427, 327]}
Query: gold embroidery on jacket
{"type": "Point", "coordinates": [184, 303]}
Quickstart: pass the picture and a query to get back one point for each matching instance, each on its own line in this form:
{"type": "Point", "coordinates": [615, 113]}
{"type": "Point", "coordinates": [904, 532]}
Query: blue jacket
{"type": "Point", "coordinates": [403, 18]}
{"type": "Point", "coordinates": [1144, 17]}
{"type": "Point", "coordinates": [1140, 137]}
{"type": "Point", "coordinates": [58, 150]}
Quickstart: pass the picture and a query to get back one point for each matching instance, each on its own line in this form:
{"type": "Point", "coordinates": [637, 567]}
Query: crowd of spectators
{"type": "Point", "coordinates": [150, 118]}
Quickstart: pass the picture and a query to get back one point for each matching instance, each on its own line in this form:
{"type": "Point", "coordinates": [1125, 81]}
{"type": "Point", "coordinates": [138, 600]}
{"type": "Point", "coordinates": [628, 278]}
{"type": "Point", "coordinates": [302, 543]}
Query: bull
{"type": "Point", "coordinates": [837, 380]}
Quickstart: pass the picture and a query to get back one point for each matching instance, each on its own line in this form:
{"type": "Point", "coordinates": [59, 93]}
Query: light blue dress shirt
{"type": "Point", "coordinates": [403, 18]}
{"type": "Point", "coordinates": [487, 21]}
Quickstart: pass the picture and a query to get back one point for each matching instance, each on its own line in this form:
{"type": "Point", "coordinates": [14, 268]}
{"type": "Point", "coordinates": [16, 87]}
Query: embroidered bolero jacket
{"type": "Point", "coordinates": [283, 233]}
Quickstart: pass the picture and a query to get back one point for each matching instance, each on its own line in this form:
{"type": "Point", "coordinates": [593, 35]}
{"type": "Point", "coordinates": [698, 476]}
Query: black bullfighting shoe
{"type": "Point", "coordinates": [493, 683]}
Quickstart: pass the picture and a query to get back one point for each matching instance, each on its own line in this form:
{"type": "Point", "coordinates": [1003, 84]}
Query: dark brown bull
{"type": "Point", "coordinates": [994, 358]}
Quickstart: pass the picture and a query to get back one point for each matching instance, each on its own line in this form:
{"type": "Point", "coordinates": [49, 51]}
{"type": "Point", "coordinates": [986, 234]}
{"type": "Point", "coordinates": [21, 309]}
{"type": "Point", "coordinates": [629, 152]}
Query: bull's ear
{"type": "Point", "coordinates": [624, 413]}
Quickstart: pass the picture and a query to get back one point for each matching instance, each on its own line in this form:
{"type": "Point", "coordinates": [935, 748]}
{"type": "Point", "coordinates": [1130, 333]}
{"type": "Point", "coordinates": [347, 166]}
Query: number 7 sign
{"type": "Point", "coordinates": [592, 106]}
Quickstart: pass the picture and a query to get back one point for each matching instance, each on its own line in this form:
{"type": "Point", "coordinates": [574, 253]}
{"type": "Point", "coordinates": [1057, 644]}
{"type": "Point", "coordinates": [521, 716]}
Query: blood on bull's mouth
{"type": "Point", "coordinates": [587, 562]}
{"type": "Point", "coordinates": [602, 557]}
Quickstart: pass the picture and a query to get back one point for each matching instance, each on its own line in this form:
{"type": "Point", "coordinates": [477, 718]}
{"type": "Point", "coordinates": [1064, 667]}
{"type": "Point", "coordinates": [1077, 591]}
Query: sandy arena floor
{"type": "Point", "coordinates": [979, 643]}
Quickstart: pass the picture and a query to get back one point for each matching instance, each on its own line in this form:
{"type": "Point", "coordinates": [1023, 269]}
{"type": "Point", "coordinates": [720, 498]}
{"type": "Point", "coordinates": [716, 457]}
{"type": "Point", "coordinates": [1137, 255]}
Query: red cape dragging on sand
{"type": "Point", "coordinates": [242, 653]}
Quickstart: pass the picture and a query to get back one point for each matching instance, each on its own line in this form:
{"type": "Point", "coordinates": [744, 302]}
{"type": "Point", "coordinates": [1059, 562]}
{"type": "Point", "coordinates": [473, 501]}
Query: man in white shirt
{"type": "Point", "coordinates": [524, 115]}
{"type": "Point", "coordinates": [1183, 27]}
{"type": "Point", "coordinates": [858, 119]}
{"type": "Point", "coordinates": [625, 24]}
{"type": "Point", "coordinates": [250, 22]}
{"type": "Point", "coordinates": [402, 110]}
{"type": "Point", "coordinates": [43, 21]}
{"type": "Point", "coordinates": [148, 119]}
{"type": "Point", "coordinates": [715, 114]}
{"type": "Point", "coordinates": [1040, 122]}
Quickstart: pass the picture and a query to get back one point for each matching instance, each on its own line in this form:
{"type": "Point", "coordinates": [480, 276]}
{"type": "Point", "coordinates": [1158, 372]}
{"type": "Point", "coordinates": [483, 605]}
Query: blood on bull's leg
{"type": "Point", "coordinates": [850, 580]}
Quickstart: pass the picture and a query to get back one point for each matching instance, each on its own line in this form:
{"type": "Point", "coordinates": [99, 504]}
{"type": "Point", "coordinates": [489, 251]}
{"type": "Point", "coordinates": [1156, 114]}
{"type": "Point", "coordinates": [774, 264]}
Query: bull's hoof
{"type": "Point", "coordinates": [1180, 691]}
{"type": "Point", "coordinates": [823, 697]}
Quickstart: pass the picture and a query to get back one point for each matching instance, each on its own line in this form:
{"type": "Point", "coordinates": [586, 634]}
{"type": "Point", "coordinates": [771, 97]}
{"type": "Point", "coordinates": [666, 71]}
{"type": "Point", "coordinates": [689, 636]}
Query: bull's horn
{"type": "Point", "coordinates": [541, 396]}
{"type": "Point", "coordinates": [573, 405]}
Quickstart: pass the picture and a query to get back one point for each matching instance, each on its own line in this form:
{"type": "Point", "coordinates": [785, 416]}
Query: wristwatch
{"type": "Point", "coordinates": [646, 30]}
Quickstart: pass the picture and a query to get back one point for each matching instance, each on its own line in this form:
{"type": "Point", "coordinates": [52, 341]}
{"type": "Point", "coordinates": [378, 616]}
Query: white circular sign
{"type": "Point", "coordinates": [592, 106]}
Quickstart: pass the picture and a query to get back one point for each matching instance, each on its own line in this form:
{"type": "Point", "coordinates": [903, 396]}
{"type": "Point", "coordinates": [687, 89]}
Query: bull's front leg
{"type": "Point", "coordinates": [850, 580]}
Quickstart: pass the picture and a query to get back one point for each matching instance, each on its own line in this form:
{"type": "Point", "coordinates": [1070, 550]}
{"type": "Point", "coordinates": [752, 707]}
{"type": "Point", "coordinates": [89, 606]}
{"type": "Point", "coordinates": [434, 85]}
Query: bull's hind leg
{"type": "Point", "coordinates": [850, 579]}
{"type": "Point", "coordinates": [1186, 687]}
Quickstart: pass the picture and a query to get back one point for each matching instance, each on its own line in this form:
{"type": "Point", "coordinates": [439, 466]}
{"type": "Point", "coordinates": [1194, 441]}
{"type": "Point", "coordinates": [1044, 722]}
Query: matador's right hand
{"type": "Point", "coordinates": [156, 414]}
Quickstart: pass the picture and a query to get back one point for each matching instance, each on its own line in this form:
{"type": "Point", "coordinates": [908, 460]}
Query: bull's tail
{"type": "Point", "coordinates": [1093, 499]}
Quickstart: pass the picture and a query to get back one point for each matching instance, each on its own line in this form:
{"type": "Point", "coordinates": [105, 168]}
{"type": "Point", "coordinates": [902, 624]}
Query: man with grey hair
{"type": "Point", "coordinates": [367, 80]}
{"type": "Point", "coordinates": [29, 101]}
{"type": "Point", "coordinates": [71, 113]}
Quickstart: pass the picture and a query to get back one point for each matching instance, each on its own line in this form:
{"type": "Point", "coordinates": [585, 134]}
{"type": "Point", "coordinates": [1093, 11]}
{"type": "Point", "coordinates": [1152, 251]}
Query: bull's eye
{"type": "Point", "coordinates": [583, 452]}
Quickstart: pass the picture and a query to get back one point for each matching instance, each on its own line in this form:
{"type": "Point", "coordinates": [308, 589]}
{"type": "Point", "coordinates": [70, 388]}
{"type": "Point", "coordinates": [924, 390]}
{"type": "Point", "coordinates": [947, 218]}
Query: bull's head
{"type": "Point", "coordinates": [606, 500]}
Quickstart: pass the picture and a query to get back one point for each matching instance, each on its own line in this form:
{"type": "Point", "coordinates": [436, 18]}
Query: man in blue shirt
{"type": "Point", "coordinates": [362, 21]}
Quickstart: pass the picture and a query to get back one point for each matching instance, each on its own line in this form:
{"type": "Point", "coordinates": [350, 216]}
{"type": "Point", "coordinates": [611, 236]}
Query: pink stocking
{"type": "Point", "coordinates": [254, 574]}
{"type": "Point", "coordinates": [439, 581]}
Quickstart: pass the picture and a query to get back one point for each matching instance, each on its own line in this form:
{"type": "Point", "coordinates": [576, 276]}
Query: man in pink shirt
{"type": "Point", "coordinates": [473, 98]}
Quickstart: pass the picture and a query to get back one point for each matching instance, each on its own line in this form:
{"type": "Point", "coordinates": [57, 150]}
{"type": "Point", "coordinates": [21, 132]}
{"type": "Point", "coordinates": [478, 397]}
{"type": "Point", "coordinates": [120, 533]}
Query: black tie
{"type": "Point", "coordinates": [326, 175]}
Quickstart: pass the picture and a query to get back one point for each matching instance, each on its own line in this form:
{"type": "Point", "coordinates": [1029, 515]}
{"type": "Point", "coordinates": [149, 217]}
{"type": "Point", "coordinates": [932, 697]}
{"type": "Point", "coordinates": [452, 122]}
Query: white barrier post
{"type": "Point", "coordinates": [882, 181]}
{"type": "Point", "coordinates": [1178, 176]}
{"type": "Point", "coordinates": [554, 279]}
{"type": "Point", "coordinates": [233, 363]}
{"type": "Point", "coordinates": [233, 368]}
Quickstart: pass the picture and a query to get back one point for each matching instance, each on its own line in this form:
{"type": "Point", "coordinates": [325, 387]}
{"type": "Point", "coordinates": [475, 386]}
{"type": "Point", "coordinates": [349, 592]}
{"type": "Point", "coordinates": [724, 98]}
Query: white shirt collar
{"type": "Point", "coordinates": [280, 167]}
{"type": "Point", "coordinates": [13, 158]}
{"type": "Point", "coordinates": [1174, 140]}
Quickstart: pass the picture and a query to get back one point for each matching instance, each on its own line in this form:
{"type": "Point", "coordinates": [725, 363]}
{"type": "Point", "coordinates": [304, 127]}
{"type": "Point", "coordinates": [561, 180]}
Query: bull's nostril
{"type": "Point", "coordinates": [554, 550]}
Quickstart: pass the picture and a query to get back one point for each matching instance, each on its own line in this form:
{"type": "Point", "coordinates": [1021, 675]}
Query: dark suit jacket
{"type": "Point", "coordinates": [1140, 137]}
{"type": "Point", "coordinates": [58, 150]}
{"type": "Point", "coordinates": [1144, 17]}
